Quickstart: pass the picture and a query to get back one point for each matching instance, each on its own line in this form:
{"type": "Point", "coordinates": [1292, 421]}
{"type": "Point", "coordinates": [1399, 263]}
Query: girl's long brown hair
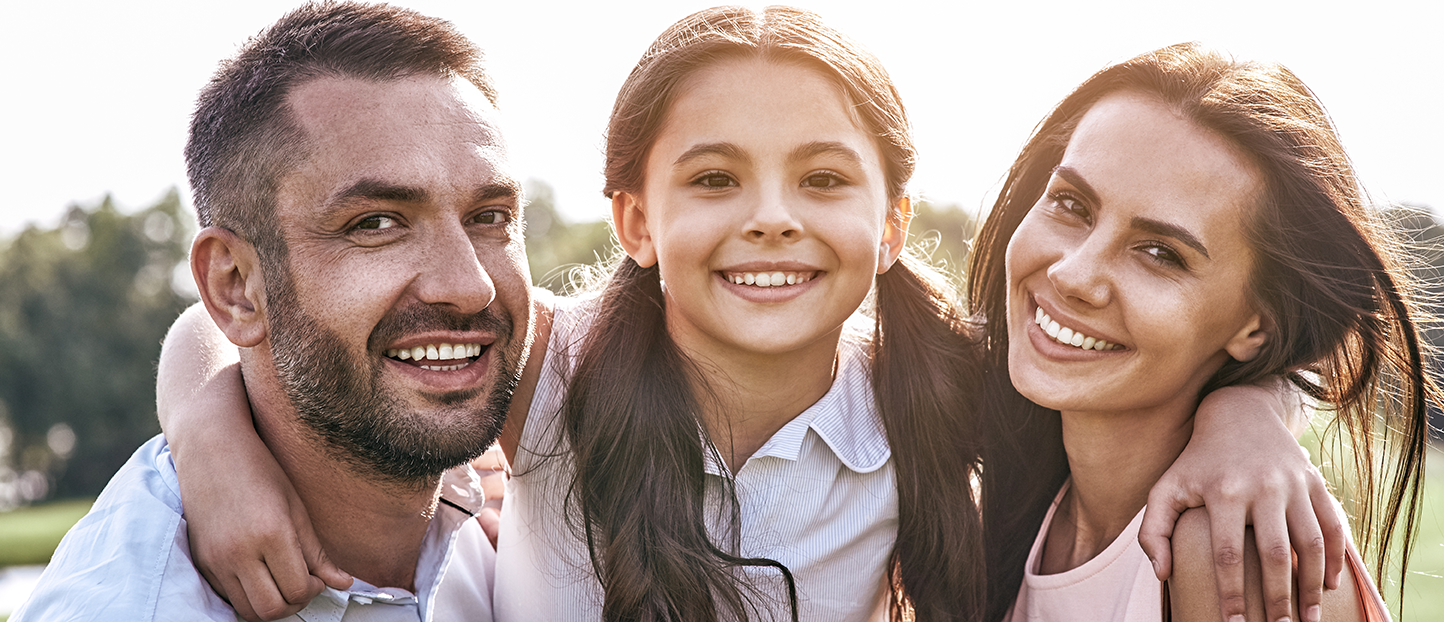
{"type": "Point", "coordinates": [1327, 276]}
{"type": "Point", "coordinates": [629, 415]}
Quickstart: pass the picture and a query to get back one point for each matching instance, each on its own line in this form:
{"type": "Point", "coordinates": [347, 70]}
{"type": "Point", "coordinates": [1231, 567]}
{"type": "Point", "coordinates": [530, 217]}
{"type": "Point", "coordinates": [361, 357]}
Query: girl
{"type": "Point", "coordinates": [1184, 222]}
{"type": "Point", "coordinates": [708, 439]}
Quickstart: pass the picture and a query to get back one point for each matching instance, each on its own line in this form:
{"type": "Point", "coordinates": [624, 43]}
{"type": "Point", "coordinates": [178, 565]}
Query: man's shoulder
{"type": "Point", "coordinates": [128, 558]}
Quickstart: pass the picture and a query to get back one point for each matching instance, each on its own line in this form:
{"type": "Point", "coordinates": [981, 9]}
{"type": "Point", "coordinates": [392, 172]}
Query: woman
{"type": "Point", "coordinates": [1181, 222]}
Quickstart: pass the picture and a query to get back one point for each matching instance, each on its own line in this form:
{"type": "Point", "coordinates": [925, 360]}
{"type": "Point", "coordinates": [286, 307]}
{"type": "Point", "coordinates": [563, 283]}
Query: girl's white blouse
{"type": "Point", "coordinates": [819, 497]}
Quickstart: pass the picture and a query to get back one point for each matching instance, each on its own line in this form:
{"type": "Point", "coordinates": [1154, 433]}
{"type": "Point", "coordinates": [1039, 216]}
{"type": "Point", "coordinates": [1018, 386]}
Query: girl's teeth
{"type": "Point", "coordinates": [770, 279]}
{"type": "Point", "coordinates": [1063, 334]}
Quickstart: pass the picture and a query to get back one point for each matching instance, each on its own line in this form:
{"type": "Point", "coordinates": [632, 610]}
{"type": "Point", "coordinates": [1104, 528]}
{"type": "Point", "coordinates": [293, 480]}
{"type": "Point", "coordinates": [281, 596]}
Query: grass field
{"type": "Point", "coordinates": [29, 535]}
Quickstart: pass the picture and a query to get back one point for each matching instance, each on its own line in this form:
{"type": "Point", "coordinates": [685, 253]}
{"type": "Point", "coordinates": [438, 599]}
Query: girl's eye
{"type": "Point", "coordinates": [376, 222]}
{"type": "Point", "coordinates": [492, 217]}
{"type": "Point", "coordinates": [1164, 255]}
{"type": "Point", "coordinates": [713, 179]}
{"type": "Point", "coordinates": [821, 180]}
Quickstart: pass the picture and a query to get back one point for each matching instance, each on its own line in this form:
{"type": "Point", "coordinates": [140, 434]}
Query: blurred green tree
{"type": "Point", "coordinates": [82, 313]}
{"type": "Point", "coordinates": [555, 246]}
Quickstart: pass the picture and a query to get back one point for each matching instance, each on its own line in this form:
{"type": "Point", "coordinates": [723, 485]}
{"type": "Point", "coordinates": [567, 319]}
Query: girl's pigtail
{"type": "Point", "coordinates": [926, 373]}
{"type": "Point", "coordinates": [640, 484]}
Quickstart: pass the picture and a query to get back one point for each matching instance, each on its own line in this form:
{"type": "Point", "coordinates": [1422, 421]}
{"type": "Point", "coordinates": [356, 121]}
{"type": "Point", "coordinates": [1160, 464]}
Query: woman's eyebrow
{"type": "Point", "coordinates": [1158, 227]}
{"type": "Point", "coordinates": [1076, 180]}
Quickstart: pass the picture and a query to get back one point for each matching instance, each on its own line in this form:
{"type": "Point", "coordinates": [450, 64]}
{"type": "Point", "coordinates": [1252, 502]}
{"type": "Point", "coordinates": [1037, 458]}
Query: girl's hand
{"type": "Point", "coordinates": [1246, 466]}
{"type": "Point", "coordinates": [491, 466]}
{"type": "Point", "coordinates": [249, 534]}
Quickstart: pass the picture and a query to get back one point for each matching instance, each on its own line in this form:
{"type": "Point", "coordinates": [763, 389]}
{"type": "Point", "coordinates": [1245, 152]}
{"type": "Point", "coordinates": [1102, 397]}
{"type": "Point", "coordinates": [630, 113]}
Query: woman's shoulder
{"type": "Point", "coordinates": [1193, 592]}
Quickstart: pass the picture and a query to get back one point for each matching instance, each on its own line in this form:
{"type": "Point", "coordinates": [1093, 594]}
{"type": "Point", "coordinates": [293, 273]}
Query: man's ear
{"type": "Point", "coordinates": [632, 231]}
{"type": "Point", "coordinates": [1249, 341]}
{"type": "Point", "coordinates": [228, 277]}
{"type": "Point", "coordinates": [894, 234]}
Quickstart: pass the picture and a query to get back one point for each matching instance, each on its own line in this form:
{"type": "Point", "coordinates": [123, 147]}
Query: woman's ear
{"type": "Point", "coordinates": [632, 232]}
{"type": "Point", "coordinates": [231, 284]}
{"type": "Point", "coordinates": [894, 234]}
{"type": "Point", "coordinates": [1250, 340]}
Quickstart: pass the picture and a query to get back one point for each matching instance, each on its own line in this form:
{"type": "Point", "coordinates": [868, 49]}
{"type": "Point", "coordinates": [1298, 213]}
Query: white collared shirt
{"type": "Point", "coordinates": [819, 497]}
{"type": "Point", "coordinates": [129, 559]}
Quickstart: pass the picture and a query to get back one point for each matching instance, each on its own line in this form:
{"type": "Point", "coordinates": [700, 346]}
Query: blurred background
{"type": "Point", "coordinates": [97, 221]}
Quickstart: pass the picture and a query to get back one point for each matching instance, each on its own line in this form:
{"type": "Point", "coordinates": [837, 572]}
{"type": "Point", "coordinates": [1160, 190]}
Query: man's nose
{"type": "Point", "coordinates": [449, 272]}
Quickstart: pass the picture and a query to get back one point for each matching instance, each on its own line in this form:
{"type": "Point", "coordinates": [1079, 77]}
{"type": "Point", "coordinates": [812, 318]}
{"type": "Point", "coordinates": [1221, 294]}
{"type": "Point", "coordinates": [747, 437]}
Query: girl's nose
{"type": "Point", "coordinates": [773, 218]}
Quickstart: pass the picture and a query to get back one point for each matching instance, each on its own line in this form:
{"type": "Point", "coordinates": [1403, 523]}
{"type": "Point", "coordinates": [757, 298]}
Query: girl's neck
{"type": "Point", "coordinates": [1115, 458]}
{"type": "Point", "coordinates": [749, 396]}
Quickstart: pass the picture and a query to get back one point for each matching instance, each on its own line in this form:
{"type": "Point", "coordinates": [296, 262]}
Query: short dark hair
{"type": "Point", "coordinates": [243, 137]}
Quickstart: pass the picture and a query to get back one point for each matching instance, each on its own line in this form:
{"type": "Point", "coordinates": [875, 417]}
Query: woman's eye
{"type": "Point", "coordinates": [714, 180]}
{"type": "Point", "coordinates": [1071, 206]}
{"type": "Point", "coordinates": [821, 180]}
{"type": "Point", "coordinates": [1164, 255]}
{"type": "Point", "coordinates": [376, 222]}
{"type": "Point", "coordinates": [492, 217]}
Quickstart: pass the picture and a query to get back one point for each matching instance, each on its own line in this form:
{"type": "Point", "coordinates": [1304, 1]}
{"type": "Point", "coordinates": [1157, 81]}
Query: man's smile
{"type": "Point", "coordinates": [462, 352]}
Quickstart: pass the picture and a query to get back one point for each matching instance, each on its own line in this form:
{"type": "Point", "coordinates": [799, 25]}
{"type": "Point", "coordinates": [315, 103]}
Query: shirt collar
{"type": "Point", "coordinates": [846, 419]}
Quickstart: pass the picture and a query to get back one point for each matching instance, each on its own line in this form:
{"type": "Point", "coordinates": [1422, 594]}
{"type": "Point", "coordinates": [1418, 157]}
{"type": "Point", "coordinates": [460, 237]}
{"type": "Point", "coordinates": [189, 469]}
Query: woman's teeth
{"type": "Point", "coordinates": [769, 279]}
{"type": "Point", "coordinates": [1068, 336]}
{"type": "Point", "coordinates": [438, 352]}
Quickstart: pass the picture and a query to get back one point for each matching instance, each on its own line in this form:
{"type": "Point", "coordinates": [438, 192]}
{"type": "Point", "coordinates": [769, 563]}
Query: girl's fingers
{"type": "Point", "coordinates": [1226, 523]}
{"type": "Point", "coordinates": [286, 565]}
{"type": "Point", "coordinates": [1271, 532]}
{"type": "Point", "coordinates": [318, 564]}
{"type": "Point", "coordinates": [1165, 504]}
{"type": "Point", "coordinates": [1307, 536]}
{"type": "Point", "coordinates": [261, 596]}
{"type": "Point", "coordinates": [1333, 523]}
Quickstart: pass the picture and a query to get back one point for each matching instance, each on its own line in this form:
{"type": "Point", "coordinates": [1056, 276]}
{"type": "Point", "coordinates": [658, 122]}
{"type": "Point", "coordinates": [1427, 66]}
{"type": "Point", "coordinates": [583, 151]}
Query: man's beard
{"type": "Point", "coordinates": [339, 396]}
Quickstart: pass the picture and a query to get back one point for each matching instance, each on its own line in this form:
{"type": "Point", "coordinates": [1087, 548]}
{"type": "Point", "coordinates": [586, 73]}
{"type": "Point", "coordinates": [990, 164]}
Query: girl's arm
{"type": "Point", "coordinates": [249, 533]}
{"type": "Point", "coordinates": [1245, 465]}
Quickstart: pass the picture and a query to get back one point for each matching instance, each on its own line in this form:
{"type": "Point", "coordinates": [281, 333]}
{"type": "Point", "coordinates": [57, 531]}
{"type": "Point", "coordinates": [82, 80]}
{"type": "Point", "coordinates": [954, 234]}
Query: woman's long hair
{"type": "Point", "coordinates": [1327, 276]}
{"type": "Point", "coordinates": [629, 415]}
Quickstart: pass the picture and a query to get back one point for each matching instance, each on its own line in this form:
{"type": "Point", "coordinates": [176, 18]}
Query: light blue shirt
{"type": "Point", "coordinates": [129, 559]}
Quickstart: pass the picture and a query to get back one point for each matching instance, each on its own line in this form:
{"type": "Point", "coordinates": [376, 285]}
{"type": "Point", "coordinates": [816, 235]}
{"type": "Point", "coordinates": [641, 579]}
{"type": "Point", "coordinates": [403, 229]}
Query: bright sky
{"type": "Point", "coordinates": [99, 92]}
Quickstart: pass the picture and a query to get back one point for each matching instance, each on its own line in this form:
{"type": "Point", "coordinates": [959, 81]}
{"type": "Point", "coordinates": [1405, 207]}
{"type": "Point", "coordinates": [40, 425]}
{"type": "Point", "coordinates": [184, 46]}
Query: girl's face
{"type": "Point", "coordinates": [1135, 256]}
{"type": "Point", "coordinates": [764, 207]}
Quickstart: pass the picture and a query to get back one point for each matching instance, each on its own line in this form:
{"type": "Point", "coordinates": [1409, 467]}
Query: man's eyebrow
{"type": "Point", "coordinates": [725, 150]}
{"type": "Point", "coordinates": [368, 190]}
{"type": "Point", "coordinates": [501, 187]}
{"type": "Point", "coordinates": [817, 148]}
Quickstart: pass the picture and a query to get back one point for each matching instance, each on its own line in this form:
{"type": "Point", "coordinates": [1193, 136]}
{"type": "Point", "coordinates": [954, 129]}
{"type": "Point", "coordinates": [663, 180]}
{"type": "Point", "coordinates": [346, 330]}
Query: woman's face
{"type": "Point", "coordinates": [1136, 262]}
{"type": "Point", "coordinates": [765, 208]}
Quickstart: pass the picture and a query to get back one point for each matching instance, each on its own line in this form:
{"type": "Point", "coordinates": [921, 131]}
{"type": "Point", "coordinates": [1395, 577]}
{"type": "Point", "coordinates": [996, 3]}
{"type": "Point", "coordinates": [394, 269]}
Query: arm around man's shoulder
{"type": "Point", "coordinates": [1193, 591]}
{"type": "Point", "coordinates": [128, 558]}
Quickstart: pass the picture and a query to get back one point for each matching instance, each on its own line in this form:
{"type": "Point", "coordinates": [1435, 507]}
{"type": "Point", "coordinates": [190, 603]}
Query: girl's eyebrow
{"type": "Point", "coordinates": [1156, 227]}
{"type": "Point", "coordinates": [724, 150]}
{"type": "Point", "coordinates": [817, 148]}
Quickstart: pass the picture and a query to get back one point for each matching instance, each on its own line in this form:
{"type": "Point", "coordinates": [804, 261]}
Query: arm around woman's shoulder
{"type": "Point", "coordinates": [1192, 589]}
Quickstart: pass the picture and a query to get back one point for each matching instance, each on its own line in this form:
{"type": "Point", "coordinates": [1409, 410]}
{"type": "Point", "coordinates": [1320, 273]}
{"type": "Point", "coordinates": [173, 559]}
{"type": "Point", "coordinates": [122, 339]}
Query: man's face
{"type": "Point", "coordinates": [399, 329]}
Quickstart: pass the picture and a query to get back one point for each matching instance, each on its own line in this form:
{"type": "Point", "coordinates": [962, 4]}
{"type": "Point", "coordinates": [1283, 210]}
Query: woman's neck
{"type": "Point", "coordinates": [749, 396]}
{"type": "Point", "coordinates": [1115, 458]}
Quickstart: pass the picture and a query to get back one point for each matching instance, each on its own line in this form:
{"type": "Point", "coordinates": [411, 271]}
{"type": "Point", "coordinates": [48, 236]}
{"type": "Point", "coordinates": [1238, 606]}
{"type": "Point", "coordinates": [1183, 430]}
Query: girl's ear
{"type": "Point", "coordinates": [631, 224]}
{"type": "Point", "coordinates": [894, 235]}
{"type": "Point", "coordinates": [1250, 340]}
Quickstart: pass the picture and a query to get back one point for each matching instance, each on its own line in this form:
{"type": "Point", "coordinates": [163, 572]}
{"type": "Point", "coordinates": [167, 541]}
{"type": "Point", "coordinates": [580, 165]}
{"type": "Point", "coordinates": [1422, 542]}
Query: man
{"type": "Point", "coordinates": [362, 245]}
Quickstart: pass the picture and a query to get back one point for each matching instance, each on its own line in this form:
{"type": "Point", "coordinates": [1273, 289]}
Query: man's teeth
{"type": "Point", "coordinates": [438, 352]}
{"type": "Point", "coordinates": [770, 279]}
{"type": "Point", "coordinates": [1068, 336]}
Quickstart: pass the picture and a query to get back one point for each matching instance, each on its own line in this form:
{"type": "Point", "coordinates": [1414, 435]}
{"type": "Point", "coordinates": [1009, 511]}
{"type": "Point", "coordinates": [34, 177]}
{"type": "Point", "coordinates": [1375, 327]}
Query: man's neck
{"type": "Point", "coordinates": [370, 529]}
